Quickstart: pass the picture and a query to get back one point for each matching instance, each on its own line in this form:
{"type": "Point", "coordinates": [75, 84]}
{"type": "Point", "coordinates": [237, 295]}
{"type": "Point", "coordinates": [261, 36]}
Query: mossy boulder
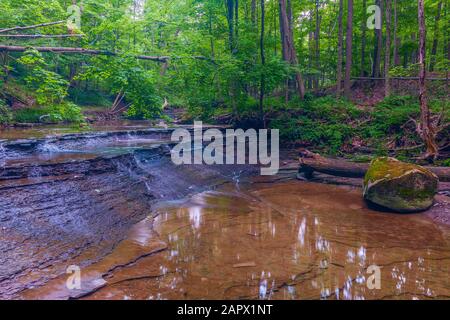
{"type": "Point", "coordinates": [399, 186]}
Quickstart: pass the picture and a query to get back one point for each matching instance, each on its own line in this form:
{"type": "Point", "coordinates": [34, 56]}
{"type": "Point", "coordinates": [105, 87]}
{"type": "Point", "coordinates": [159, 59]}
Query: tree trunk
{"type": "Point", "coordinates": [387, 55]}
{"type": "Point", "coordinates": [340, 45]}
{"type": "Point", "coordinates": [378, 46]}
{"type": "Point", "coordinates": [289, 52]}
{"type": "Point", "coordinates": [236, 19]}
{"type": "Point", "coordinates": [436, 37]}
{"type": "Point", "coordinates": [317, 45]}
{"type": "Point", "coordinates": [396, 38]}
{"type": "Point", "coordinates": [426, 128]}
{"type": "Point", "coordinates": [363, 38]}
{"type": "Point", "coordinates": [263, 62]}
{"type": "Point", "coordinates": [230, 19]}
{"type": "Point", "coordinates": [348, 49]}
{"type": "Point", "coordinates": [284, 53]}
{"type": "Point", "coordinates": [253, 14]}
{"type": "Point", "coordinates": [232, 44]}
{"type": "Point", "coordinates": [310, 51]}
{"type": "Point", "coordinates": [211, 37]}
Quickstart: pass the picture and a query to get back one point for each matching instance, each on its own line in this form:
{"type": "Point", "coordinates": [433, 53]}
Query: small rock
{"type": "Point", "coordinates": [399, 186]}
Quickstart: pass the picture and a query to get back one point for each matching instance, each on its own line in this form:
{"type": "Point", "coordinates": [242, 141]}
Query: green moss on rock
{"type": "Point", "coordinates": [399, 186]}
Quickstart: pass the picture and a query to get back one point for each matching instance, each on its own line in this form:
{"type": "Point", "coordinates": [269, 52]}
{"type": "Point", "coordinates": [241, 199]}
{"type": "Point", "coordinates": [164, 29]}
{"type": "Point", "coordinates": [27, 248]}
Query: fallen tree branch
{"type": "Point", "coordinates": [37, 36]}
{"type": "Point", "coordinates": [162, 59]}
{"type": "Point", "coordinates": [46, 24]}
{"type": "Point", "coordinates": [310, 162]}
{"type": "Point", "coordinates": [78, 50]}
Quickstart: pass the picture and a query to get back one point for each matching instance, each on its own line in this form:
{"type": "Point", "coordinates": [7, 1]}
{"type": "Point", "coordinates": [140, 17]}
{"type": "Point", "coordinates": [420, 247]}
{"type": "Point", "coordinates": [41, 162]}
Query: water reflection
{"type": "Point", "coordinates": [195, 216]}
{"type": "Point", "coordinates": [261, 243]}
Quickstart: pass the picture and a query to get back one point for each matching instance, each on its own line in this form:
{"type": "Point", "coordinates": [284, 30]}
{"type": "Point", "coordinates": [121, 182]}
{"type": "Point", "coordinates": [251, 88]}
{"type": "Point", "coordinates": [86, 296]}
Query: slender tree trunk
{"type": "Point", "coordinates": [232, 43]}
{"type": "Point", "coordinates": [6, 67]}
{"type": "Point", "coordinates": [310, 51]}
{"type": "Point", "coordinates": [289, 52]}
{"type": "Point", "coordinates": [263, 62]}
{"type": "Point", "coordinates": [289, 82]}
{"type": "Point", "coordinates": [236, 19]}
{"type": "Point", "coordinates": [275, 27]}
{"type": "Point", "coordinates": [211, 38]}
{"type": "Point", "coordinates": [436, 37]}
{"type": "Point", "coordinates": [447, 36]}
{"type": "Point", "coordinates": [340, 45]}
{"type": "Point", "coordinates": [396, 38]}
{"type": "Point", "coordinates": [387, 55]}
{"type": "Point", "coordinates": [348, 49]}
{"type": "Point", "coordinates": [378, 46]}
{"type": "Point", "coordinates": [363, 40]}
{"type": "Point", "coordinates": [253, 9]}
{"type": "Point", "coordinates": [230, 19]}
{"type": "Point", "coordinates": [283, 29]}
{"type": "Point", "coordinates": [414, 52]}
{"type": "Point", "coordinates": [426, 128]}
{"type": "Point", "coordinates": [317, 45]}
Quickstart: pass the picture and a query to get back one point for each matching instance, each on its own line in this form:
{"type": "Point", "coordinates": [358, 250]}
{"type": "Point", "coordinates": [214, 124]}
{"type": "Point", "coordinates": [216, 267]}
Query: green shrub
{"type": "Point", "coordinates": [5, 113]}
{"type": "Point", "coordinates": [123, 74]}
{"type": "Point", "coordinates": [389, 115]}
{"type": "Point", "coordinates": [91, 98]}
{"type": "Point", "coordinates": [66, 112]}
{"type": "Point", "coordinates": [49, 87]}
{"type": "Point", "coordinates": [324, 122]}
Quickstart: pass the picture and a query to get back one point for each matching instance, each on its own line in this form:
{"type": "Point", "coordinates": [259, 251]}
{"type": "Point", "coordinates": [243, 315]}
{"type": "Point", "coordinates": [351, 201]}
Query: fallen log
{"type": "Point", "coordinates": [310, 162]}
{"type": "Point", "coordinates": [37, 36]}
{"type": "Point", "coordinates": [78, 50]}
{"type": "Point", "coordinates": [162, 59]}
{"type": "Point", "coordinates": [46, 24]}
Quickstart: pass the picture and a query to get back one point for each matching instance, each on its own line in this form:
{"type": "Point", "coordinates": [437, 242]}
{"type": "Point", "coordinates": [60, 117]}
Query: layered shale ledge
{"type": "Point", "coordinates": [78, 211]}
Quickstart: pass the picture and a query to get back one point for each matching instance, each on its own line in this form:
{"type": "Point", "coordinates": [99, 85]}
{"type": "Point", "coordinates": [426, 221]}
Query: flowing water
{"type": "Point", "coordinates": [141, 228]}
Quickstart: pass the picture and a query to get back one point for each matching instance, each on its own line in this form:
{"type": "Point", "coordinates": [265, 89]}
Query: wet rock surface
{"type": "Point", "coordinates": [74, 210]}
{"type": "Point", "coordinates": [45, 225]}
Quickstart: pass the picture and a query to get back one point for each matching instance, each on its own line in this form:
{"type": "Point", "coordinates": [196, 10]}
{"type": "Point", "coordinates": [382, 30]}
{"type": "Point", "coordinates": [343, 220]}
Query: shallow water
{"type": "Point", "coordinates": [42, 131]}
{"type": "Point", "coordinates": [283, 240]}
{"type": "Point", "coordinates": [80, 200]}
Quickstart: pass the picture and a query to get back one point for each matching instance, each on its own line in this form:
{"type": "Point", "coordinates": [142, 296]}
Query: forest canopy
{"type": "Point", "coordinates": [326, 72]}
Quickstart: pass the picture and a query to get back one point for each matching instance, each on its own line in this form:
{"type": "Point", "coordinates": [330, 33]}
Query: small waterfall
{"type": "Point", "coordinates": [48, 147]}
{"type": "Point", "coordinates": [2, 155]}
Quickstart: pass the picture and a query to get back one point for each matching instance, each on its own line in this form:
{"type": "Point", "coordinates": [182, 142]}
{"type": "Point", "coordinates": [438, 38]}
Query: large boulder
{"type": "Point", "coordinates": [399, 186]}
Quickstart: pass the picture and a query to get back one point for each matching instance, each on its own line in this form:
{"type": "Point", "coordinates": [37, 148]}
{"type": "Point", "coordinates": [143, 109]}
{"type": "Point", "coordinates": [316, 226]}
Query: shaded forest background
{"type": "Point", "coordinates": [311, 68]}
